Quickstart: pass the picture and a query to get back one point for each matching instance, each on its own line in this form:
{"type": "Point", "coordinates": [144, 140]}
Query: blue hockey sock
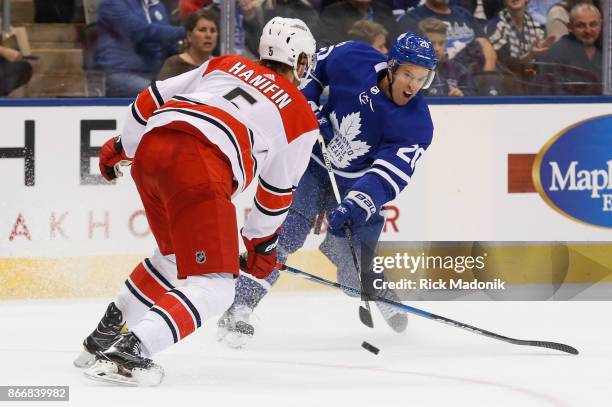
{"type": "Point", "coordinates": [250, 291]}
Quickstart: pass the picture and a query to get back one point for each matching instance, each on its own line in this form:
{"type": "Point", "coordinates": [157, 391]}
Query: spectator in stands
{"type": "Point", "coordinates": [482, 9]}
{"type": "Point", "coordinates": [558, 17]}
{"type": "Point", "coordinates": [399, 7]}
{"type": "Point", "coordinates": [465, 38]}
{"type": "Point", "coordinates": [452, 78]}
{"type": "Point", "coordinates": [581, 46]}
{"type": "Point", "coordinates": [134, 37]}
{"type": "Point", "coordinates": [337, 19]}
{"type": "Point", "coordinates": [14, 71]}
{"type": "Point", "coordinates": [249, 23]}
{"type": "Point", "coordinates": [172, 10]}
{"type": "Point", "coordinates": [516, 36]}
{"type": "Point", "coordinates": [200, 41]}
{"type": "Point", "coordinates": [188, 7]}
{"type": "Point", "coordinates": [370, 32]}
{"type": "Point", "coordinates": [538, 9]}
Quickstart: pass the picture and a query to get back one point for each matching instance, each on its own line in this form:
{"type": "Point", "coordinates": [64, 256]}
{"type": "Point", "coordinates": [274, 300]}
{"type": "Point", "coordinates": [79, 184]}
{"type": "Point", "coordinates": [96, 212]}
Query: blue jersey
{"type": "Point", "coordinates": [374, 144]}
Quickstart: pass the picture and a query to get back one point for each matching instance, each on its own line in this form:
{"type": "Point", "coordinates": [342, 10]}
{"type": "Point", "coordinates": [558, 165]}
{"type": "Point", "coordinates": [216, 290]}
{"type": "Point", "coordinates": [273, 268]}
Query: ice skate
{"type": "Point", "coordinates": [123, 363]}
{"type": "Point", "coordinates": [394, 317]}
{"type": "Point", "coordinates": [234, 328]}
{"type": "Point", "coordinates": [109, 327]}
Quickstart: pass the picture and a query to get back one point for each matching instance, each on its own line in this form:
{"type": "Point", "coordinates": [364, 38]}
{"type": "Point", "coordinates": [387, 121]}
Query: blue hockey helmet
{"type": "Point", "coordinates": [415, 49]}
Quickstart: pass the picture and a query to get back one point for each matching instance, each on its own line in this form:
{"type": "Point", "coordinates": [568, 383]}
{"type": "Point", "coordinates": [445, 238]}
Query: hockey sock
{"type": "Point", "coordinates": [180, 311]}
{"type": "Point", "coordinates": [336, 249]}
{"type": "Point", "coordinates": [145, 285]}
{"type": "Point", "coordinates": [250, 290]}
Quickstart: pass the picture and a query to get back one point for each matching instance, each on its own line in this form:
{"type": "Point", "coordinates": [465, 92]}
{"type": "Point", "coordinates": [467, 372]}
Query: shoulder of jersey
{"type": "Point", "coordinates": [421, 104]}
{"type": "Point", "coordinates": [357, 56]}
{"type": "Point", "coordinates": [224, 62]}
{"type": "Point", "coordinates": [418, 118]}
{"type": "Point", "coordinates": [298, 117]}
{"type": "Point", "coordinates": [352, 47]}
{"type": "Point", "coordinates": [414, 113]}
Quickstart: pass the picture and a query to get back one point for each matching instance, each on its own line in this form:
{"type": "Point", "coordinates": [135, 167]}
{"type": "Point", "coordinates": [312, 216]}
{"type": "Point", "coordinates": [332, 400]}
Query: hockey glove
{"type": "Point", "coordinates": [261, 255]}
{"type": "Point", "coordinates": [111, 157]}
{"type": "Point", "coordinates": [354, 210]}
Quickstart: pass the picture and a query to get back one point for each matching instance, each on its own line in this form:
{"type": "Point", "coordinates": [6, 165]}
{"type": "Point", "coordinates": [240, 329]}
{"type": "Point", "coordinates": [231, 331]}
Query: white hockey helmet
{"type": "Point", "coordinates": [284, 40]}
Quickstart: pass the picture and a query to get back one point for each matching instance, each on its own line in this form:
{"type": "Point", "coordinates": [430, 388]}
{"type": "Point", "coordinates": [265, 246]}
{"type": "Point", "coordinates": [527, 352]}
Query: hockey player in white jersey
{"type": "Point", "coordinates": [196, 141]}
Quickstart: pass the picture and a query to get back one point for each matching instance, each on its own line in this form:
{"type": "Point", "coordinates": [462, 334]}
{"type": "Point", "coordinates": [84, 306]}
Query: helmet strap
{"type": "Point", "coordinates": [390, 78]}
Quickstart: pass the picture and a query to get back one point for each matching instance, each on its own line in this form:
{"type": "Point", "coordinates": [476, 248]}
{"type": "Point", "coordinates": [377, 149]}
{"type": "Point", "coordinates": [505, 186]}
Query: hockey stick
{"type": "Point", "coordinates": [543, 344]}
{"type": "Point", "coordinates": [365, 313]}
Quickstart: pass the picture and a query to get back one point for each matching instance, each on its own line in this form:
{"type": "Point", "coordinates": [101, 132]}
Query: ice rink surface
{"type": "Point", "coordinates": [306, 352]}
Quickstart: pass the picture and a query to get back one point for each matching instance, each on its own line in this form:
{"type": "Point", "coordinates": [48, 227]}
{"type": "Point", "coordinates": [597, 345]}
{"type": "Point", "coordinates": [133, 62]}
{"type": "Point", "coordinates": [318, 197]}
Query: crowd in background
{"type": "Point", "coordinates": [484, 47]}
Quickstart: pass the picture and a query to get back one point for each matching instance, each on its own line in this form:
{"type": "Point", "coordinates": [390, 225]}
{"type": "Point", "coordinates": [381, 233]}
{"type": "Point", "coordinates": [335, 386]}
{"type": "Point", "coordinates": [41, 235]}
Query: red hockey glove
{"type": "Point", "coordinates": [111, 156]}
{"type": "Point", "coordinates": [261, 255]}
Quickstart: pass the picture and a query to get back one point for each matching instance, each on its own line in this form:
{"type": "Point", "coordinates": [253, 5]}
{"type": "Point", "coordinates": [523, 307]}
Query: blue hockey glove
{"type": "Point", "coordinates": [354, 210]}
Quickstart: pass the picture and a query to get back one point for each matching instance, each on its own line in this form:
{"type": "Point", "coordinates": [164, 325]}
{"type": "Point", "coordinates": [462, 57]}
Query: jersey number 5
{"type": "Point", "coordinates": [243, 94]}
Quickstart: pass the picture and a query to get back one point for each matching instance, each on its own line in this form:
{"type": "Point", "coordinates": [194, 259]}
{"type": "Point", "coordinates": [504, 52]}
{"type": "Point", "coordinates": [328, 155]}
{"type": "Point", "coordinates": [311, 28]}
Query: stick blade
{"type": "Point", "coordinates": [365, 316]}
{"type": "Point", "coordinates": [553, 345]}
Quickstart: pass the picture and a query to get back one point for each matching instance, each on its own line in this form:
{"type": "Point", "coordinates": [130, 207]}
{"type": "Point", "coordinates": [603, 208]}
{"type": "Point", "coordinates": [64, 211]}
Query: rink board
{"type": "Point", "coordinates": [64, 232]}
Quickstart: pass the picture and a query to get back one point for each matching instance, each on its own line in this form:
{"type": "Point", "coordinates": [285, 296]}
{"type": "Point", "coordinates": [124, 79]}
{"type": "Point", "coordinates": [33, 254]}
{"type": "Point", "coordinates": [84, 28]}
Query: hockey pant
{"type": "Point", "coordinates": [313, 196]}
{"type": "Point", "coordinates": [160, 310]}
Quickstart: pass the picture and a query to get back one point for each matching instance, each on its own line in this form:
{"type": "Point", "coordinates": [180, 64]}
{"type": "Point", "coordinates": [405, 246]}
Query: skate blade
{"type": "Point", "coordinates": [236, 340]}
{"type": "Point", "coordinates": [107, 371]}
{"type": "Point", "coordinates": [84, 360]}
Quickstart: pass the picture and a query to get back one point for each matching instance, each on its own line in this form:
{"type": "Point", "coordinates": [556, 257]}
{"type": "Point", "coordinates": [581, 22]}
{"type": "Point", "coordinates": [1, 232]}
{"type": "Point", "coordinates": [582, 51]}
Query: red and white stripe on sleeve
{"type": "Point", "coordinates": [272, 200]}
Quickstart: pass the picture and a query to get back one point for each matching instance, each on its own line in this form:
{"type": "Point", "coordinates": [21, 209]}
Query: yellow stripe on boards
{"type": "Point", "coordinates": [96, 276]}
{"type": "Point", "coordinates": [102, 276]}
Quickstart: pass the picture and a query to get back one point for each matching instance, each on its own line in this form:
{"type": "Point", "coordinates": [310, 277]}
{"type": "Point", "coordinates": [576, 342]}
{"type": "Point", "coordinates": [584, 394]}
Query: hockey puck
{"type": "Point", "coordinates": [370, 348]}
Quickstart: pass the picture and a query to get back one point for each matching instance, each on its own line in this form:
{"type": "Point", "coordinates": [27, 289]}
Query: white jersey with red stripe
{"type": "Point", "coordinates": [258, 119]}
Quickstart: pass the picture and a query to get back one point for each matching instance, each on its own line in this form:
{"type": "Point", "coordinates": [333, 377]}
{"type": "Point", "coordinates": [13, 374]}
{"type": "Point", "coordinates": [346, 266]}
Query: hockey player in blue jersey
{"type": "Point", "coordinates": [376, 126]}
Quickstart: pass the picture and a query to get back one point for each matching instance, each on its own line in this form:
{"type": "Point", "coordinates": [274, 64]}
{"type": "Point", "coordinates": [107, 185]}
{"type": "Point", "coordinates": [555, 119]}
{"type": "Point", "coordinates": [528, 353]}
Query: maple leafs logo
{"type": "Point", "coordinates": [343, 147]}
